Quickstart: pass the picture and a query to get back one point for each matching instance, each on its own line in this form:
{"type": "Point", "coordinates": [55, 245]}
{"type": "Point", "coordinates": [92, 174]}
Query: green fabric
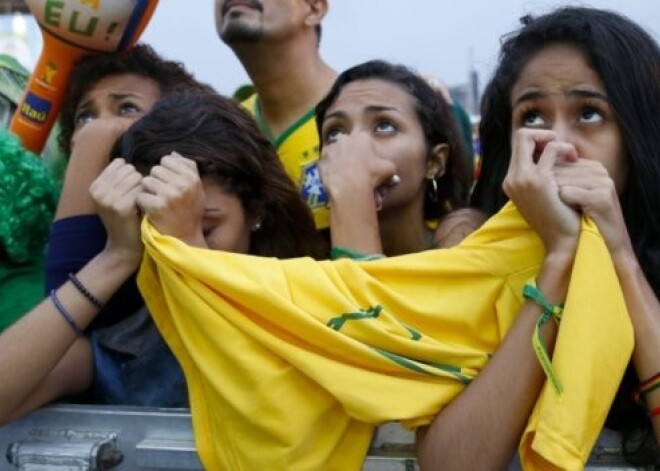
{"type": "Point", "coordinates": [21, 288]}
{"type": "Point", "coordinates": [338, 252]}
{"type": "Point", "coordinates": [28, 198]}
{"type": "Point", "coordinates": [29, 189]}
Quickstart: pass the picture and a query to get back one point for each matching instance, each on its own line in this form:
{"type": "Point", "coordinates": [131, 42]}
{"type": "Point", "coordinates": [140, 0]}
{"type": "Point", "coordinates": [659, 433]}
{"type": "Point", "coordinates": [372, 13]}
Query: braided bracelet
{"type": "Point", "coordinates": [84, 291]}
{"type": "Point", "coordinates": [549, 311]}
{"type": "Point", "coordinates": [60, 308]}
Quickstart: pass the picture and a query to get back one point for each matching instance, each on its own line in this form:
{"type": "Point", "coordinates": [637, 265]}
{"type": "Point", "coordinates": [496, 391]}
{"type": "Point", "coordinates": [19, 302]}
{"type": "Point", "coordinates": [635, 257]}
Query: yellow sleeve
{"type": "Point", "coordinates": [591, 353]}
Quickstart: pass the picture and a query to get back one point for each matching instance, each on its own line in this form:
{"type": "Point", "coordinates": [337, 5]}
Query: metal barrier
{"type": "Point", "coordinates": [97, 438]}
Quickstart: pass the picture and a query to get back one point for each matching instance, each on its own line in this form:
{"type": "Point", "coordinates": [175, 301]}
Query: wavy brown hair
{"type": "Point", "coordinates": [225, 142]}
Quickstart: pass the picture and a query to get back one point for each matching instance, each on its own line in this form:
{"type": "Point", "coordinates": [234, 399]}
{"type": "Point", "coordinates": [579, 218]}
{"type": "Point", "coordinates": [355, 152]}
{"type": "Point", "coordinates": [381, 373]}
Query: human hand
{"type": "Point", "coordinates": [90, 155]}
{"type": "Point", "coordinates": [173, 197]}
{"type": "Point", "coordinates": [531, 185]}
{"type": "Point", "coordinates": [97, 138]}
{"type": "Point", "coordinates": [115, 191]}
{"type": "Point", "coordinates": [350, 165]}
{"type": "Point", "coordinates": [586, 185]}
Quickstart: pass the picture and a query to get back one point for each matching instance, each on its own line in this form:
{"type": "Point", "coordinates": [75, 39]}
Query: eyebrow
{"type": "Point", "coordinates": [212, 210]}
{"type": "Point", "coordinates": [577, 93]}
{"type": "Point", "coordinates": [369, 109]}
{"type": "Point", "coordinates": [114, 96]}
{"type": "Point", "coordinates": [121, 96]}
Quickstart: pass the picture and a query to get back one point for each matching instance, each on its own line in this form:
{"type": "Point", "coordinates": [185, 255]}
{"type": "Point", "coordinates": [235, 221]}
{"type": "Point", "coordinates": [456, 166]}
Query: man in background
{"type": "Point", "coordinates": [277, 41]}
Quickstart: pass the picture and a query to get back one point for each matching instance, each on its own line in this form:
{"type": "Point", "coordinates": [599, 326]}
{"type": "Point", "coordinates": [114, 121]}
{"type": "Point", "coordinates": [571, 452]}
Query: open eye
{"type": "Point", "coordinates": [129, 108]}
{"type": "Point", "coordinates": [591, 115]}
{"type": "Point", "coordinates": [331, 134]}
{"type": "Point", "coordinates": [385, 127]}
{"type": "Point", "coordinates": [83, 117]}
{"type": "Point", "coordinates": [532, 119]}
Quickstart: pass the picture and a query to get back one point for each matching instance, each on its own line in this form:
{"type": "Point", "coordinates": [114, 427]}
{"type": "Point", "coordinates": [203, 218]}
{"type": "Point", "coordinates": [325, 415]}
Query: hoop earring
{"type": "Point", "coordinates": [432, 190]}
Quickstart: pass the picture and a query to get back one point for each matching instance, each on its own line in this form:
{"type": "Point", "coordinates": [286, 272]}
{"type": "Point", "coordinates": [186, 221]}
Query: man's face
{"type": "Point", "coordinates": [239, 21]}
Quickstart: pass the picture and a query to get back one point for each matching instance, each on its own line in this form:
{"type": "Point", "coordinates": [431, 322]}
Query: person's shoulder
{"type": "Point", "coordinates": [456, 226]}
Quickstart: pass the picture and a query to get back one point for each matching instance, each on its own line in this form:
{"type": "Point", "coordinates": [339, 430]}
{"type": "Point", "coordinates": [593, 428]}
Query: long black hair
{"type": "Point", "coordinates": [627, 60]}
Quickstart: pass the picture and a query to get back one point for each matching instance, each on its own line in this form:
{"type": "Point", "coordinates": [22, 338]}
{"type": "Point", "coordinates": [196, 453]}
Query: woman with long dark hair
{"type": "Point", "coordinates": [572, 113]}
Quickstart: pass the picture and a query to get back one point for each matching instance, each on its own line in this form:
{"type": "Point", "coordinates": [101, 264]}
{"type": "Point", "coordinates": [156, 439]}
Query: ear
{"type": "Point", "coordinates": [317, 11]}
{"type": "Point", "coordinates": [255, 220]}
{"type": "Point", "coordinates": [437, 161]}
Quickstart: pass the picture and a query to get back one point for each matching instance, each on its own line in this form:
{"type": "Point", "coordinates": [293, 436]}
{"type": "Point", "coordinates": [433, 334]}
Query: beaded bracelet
{"type": "Point", "coordinates": [84, 291]}
{"type": "Point", "coordinates": [549, 311]}
{"type": "Point", "coordinates": [65, 313]}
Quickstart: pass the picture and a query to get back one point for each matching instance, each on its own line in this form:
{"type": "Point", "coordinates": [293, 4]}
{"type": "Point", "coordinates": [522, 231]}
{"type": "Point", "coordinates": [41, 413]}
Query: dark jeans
{"type": "Point", "coordinates": [134, 366]}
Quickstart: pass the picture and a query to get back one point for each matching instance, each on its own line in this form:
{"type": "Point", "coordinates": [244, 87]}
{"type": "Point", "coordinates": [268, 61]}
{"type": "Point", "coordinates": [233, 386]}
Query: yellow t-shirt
{"type": "Point", "coordinates": [298, 148]}
{"type": "Point", "coordinates": [291, 363]}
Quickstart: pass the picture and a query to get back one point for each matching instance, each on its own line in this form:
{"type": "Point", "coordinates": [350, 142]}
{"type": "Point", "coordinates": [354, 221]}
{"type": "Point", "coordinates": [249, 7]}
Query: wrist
{"type": "Point", "coordinates": [562, 249]}
{"type": "Point", "coordinates": [348, 185]}
{"type": "Point", "coordinates": [120, 261]}
{"type": "Point", "coordinates": [625, 261]}
{"type": "Point", "coordinates": [558, 262]}
{"type": "Point", "coordinates": [182, 228]}
{"type": "Point", "coordinates": [351, 195]}
{"type": "Point", "coordinates": [555, 274]}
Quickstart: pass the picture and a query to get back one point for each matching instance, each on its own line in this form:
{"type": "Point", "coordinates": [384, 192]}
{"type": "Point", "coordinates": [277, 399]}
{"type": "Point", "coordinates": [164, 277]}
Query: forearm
{"type": "Point", "coordinates": [75, 198]}
{"type": "Point", "coordinates": [644, 311]}
{"type": "Point", "coordinates": [91, 146]}
{"type": "Point", "coordinates": [354, 221]}
{"type": "Point", "coordinates": [482, 426]}
{"type": "Point", "coordinates": [34, 345]}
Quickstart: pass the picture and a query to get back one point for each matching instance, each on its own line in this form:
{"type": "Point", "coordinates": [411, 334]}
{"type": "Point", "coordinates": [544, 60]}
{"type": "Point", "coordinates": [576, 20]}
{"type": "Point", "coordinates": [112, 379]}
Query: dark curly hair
{"type": "Point", "coordinates": [434, 115]}
{"type": "Point", "coordinates": [627, 59]}
{"type": "Point", "coordinates": [140, 60]}
{"type": "Point", "coordinates": [225, 142]}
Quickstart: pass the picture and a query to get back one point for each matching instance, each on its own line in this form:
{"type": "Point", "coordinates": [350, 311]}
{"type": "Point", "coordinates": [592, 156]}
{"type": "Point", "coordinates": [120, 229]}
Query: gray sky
{"type": "Point", "coordinates": [433, 36]}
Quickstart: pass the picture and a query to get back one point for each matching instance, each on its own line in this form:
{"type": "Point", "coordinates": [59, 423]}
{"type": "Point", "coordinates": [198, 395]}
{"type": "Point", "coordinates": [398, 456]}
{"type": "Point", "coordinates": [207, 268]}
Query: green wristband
{"type": "Point", "coordinates": [338, 252]}
{"type": "Point", "coordinates": [549, 311]}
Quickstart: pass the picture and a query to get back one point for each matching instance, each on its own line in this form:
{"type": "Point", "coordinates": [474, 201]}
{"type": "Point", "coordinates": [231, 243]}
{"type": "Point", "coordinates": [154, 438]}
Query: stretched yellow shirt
{"type": "Point", "coordinates": [291, 363]}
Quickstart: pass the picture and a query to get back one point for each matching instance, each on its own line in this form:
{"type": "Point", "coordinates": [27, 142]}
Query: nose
{"type": "Point", "coordinates": [104, 112]}
{"type": "Point", "coordinates": [562, 128]}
